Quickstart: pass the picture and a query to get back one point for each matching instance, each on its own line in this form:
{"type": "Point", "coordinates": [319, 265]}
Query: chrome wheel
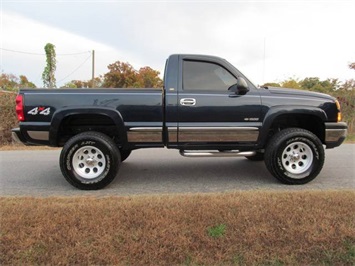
{"type": "Point", "coordinates": [89, 162]}
{"type": "Point", "coordinates": [297, 159]}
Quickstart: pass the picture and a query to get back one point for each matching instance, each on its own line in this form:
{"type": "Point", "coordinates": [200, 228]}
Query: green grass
{"type": "Point", "coordinates": [217, 231]}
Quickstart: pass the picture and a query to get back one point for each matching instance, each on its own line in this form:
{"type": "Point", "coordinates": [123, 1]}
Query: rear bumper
{"type": "Point", "coordinates": [30, 137]}
{"type": "Point", "coordinates": [17, 137]}
{"type": "Point", "coordinates": [335, 134]}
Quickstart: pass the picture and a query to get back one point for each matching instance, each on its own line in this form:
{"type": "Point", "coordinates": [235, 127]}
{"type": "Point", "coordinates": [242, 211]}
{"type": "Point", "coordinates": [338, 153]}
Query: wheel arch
{"type": "Point", "coordinates": [67, 123]}
{"type": "Point", "coordinates": [281, 117]}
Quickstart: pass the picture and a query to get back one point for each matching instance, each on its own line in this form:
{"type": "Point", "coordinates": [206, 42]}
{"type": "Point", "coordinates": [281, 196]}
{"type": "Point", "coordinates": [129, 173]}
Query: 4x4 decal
{"type": "Point", "coordinates": [40, 111]}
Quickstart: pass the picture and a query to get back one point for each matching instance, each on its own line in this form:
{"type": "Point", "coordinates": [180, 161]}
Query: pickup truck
{"type": "Point", "coordinates": [207, 108]}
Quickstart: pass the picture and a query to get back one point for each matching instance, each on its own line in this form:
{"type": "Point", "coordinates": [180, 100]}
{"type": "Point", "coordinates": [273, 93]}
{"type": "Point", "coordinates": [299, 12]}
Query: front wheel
{"type": "Point", "coordinates": [90, 160]}
{"type": "Point", "coordinates": [294, 156]}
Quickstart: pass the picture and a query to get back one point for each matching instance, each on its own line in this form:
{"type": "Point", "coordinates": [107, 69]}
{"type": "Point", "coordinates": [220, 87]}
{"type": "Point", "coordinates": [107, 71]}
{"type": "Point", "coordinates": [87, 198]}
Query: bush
{"type": "Point", "coordinates": [7, 116]}
{"type": "Point", "coordinates": [347, 102]}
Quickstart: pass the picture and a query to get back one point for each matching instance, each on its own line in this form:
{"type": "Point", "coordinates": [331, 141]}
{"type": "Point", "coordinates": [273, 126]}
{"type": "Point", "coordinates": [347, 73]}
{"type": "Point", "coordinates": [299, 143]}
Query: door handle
{"type": "Point", "coordinates": [188, 101]}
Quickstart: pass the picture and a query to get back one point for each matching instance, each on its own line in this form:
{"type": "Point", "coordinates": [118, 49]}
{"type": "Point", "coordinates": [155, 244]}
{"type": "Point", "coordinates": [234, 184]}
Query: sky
{"type": "Point", "coordinates": [268, 41]}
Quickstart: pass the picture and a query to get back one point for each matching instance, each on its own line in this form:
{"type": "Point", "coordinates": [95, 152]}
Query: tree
{"type": "Point", "coordinates": [24, 83]}
{"type": "Point", "coordinates": [121, 75]}
{"type": "Point", "coordinates": [98, 82]}
{"type": "Point", "coordinates": [271, 84]}
{"type": "Point", "coordinates": [291, 83]}
{"type": "Point", "coordinates": [48, 74]}
{"type": "Point", "coordinates": [80, 84]}
{"type": "Point", "coordinates": [149, 78]}
{"type": "Point", "coordinates": [69, 85]}
{"type": "Point", "coordinates": [10, 82]}
{"type": "Point", "coordinates": [84, 84]}
{"type": "Point", "coordinates": [315, 84]}
{"type": "Point", "coordinates": [349, 85]}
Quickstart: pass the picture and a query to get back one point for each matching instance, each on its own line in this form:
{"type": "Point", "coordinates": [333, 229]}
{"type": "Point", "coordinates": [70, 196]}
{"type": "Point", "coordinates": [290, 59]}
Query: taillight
{"type": "Point", "coordinates": [19, 108]}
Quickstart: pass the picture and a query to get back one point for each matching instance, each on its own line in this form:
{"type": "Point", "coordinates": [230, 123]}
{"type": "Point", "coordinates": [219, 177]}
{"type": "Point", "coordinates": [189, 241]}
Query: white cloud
{"type": "Point", "coordinates": [25, 35]}
{"type": "Point", "coordinates": [302, 39]}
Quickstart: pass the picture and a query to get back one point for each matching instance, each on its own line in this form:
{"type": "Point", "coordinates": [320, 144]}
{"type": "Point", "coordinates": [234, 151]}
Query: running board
{"type": "Point", "coordinates": [216, 153]}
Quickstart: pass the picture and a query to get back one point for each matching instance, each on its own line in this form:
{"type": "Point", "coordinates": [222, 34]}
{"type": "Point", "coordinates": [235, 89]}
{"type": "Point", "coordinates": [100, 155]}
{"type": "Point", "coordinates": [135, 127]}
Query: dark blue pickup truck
{"type": "Point", "coordinates": [206, 108]}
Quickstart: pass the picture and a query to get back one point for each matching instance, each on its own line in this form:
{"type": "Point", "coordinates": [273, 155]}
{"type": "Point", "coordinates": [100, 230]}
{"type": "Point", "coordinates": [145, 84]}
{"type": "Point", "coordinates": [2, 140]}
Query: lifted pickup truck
{"type": "Point", "coordinates": [206, 108]}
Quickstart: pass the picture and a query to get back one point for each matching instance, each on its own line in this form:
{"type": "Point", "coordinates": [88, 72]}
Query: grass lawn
{"type": "Point", "coordinates": [241, 228]}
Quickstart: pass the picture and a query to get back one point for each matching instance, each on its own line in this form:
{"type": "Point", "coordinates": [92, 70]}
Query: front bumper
{"type": "Point", "coordinates": [335, 134]}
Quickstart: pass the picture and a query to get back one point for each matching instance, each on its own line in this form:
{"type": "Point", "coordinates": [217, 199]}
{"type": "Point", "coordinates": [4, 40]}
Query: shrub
{"type": "Point", "coordinates": [347, 103]}
{"type": "Point", "coordinates": [7, 116]}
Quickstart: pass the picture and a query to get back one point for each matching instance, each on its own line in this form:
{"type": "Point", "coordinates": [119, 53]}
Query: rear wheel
{"type": "Point", "coordinates": [294, 156]}
{"type": "Point", "coordinates": [90, 160]}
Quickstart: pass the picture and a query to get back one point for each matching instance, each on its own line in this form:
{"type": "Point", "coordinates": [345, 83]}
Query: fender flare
{"type": "Point", "coordinates": [277, 111]}
{"type": "Point", "coordinates": [63, 113]}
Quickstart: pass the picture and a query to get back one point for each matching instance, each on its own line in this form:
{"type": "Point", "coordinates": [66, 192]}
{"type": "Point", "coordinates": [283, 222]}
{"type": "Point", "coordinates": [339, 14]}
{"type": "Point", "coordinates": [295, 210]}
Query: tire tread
{"type": "Point", "coordinates": [102, 138]}
{"type": "Point", "coordinates": [272, 149]}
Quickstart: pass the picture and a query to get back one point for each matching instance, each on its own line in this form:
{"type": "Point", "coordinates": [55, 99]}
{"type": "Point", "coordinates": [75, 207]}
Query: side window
{"type": "Point", "coordinates": [206, 76]}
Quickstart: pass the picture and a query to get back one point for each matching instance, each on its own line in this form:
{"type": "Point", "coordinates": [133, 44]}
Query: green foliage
{"type": "Point", "coordinates": [271, 84]}
{"type": "Point", "coordinates": [343, 91]}
{"type": "Point", "coordinates": [346, 99]}
{"type": "Point", "coordinates": [10, 82]}
{"type": "Point", "coordinates": [70, 85]}
{"type": "Point", "coordinates": [315, 84]}
{"type": "Point", "coordinates": [291, 83]}
{"type": "Point", "coordinates": [24, 83]}
{"type": "Point", "coordinates": [48, 75]}
{"type": "Point", "coordinates": [217, 231]}
{"type": "Point", "coordinates": [349, 256]}
{"type": "Point", "coordinates": [85, 84]}
{"type": "Point", "coordinates": [345, 257]}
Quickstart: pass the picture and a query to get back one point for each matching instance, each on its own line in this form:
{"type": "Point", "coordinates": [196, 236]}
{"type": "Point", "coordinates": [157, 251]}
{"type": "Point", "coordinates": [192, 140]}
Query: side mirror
{"type": "Point", "coordinates": [240, 88]}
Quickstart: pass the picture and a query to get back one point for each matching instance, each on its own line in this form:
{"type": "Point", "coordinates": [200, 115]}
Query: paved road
{"type": "Point", "coordinates": [157, 171]}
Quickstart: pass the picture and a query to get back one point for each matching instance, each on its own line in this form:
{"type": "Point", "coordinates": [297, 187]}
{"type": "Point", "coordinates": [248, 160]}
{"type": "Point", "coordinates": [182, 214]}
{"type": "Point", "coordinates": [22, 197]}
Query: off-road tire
{"type": "Point", "coordinates": [294, 156]}
{"type": "Point", "coordinates": [90, 160]}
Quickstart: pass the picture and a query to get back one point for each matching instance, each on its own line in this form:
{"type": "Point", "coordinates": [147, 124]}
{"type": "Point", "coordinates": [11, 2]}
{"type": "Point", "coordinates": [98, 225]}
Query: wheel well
{"type": "Point", "coordinates": [311, 123]}
{"type": "Point", "coordinates": [75, 124]}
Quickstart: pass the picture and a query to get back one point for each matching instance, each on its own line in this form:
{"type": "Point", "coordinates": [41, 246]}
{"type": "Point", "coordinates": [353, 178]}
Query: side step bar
{"type": "Point", "coordinates": [216, 153]}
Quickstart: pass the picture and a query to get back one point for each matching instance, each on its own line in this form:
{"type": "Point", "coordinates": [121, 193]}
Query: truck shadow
{"type": "Point", "coordinates": [192, 175]}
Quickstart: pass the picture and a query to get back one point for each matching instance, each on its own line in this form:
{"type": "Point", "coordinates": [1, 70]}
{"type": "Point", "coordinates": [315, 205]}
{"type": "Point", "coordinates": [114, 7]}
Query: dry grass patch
{"type": "Point", "coordinates": [252, 228]}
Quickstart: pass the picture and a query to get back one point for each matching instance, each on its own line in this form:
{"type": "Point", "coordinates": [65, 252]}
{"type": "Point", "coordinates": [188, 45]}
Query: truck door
{"type": "Point", "coordinates": [208, 113]}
